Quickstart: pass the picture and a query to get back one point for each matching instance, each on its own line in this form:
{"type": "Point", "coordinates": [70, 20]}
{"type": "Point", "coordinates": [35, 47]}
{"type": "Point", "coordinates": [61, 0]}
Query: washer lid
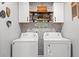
{"type": "Point", "coordinates": [57, 39]}
{"type": "Point", "coordinates": [54, 36]}
{"type": "Point", "coordinates": [29, 35]}
{"type": "Point", "coordinates": [48, 35]}
{"type": "Point", "coordinates": [25, 39]}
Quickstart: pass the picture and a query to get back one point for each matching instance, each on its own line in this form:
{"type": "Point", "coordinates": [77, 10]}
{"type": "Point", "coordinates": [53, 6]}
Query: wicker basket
{"type": "Point", "coordinates": [42, 8]}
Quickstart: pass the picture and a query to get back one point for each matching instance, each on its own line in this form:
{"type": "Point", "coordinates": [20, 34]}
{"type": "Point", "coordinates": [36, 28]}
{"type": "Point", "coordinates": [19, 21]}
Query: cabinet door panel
{"type": "Point", "coordinates": [24, 12]}
{"type": "Point", "coordinates": [25, 49]}
{"type": "Point", "coordinates": [58, 50]}
{"type": "Point", "coordinates": [58, 12]}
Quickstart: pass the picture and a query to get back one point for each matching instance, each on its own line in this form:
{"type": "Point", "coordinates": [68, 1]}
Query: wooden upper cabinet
{"type": "Point", "coordinates": [75, 9]}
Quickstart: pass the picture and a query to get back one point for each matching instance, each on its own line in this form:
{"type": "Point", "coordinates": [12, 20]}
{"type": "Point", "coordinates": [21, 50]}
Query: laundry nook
{"type": "Point", "coordinates": [39, 29]}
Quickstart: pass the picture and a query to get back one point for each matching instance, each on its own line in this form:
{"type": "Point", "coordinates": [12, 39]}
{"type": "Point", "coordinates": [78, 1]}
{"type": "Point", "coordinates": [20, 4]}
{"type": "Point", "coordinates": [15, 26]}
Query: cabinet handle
{"type": "Point", "coordinates": [27, 18]}
{"type": "Point", "coordinates": [49, 45]}
{"type": "Point", "coordinates": [49, 49]}
{"type": "Point", "coordinates": [55, 18]}
{"type": "Point", "coordinates": [13, 43]}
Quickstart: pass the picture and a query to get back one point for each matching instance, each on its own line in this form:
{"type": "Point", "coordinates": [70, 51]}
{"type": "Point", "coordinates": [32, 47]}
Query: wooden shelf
{"type": "Point", "coordinates": [41, 12]}
{"type": "Point", "coordinates": [41, 16]}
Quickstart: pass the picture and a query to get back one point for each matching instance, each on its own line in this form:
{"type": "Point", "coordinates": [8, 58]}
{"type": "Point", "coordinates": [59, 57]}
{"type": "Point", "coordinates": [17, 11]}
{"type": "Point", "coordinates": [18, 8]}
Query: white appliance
{"type": "Point", "coordinates": [55, 45]}
{"type": "Point", "coordinates": [40, 32]}
{"type": "Point", "coordinates": [26, 45]}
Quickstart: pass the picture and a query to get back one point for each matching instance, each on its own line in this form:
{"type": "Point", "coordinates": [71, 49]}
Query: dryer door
{"type": "Point", "coordinates": [57, 50]}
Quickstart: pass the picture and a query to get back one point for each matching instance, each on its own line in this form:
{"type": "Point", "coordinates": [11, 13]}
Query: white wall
{"type": "Point", "coordinates": [71, 29]}
{"type": "Point", "coordinates": [8, 34]}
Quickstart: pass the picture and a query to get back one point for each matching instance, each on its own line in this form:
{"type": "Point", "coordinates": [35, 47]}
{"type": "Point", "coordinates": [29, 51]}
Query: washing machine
{"type": "Point", "coordinates": [55, 45]}
{"type": "Point", "coordinates": [26, 45]}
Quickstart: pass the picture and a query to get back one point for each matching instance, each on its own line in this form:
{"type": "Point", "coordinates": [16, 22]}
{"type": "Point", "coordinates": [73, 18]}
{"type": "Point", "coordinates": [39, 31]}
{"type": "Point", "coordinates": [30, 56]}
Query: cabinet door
{"type": "Point", "coordinates": [58, 12]}
{"type": "Point", "coordinates": [23, 12]}
{"type": "Point", "coordinates": [58, 50]}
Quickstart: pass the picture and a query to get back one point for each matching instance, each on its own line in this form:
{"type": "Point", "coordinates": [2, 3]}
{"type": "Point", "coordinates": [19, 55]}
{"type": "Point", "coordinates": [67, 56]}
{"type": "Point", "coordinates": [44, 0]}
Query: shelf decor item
{"type": "Point", "coordinates": [8, 12]}
{"type": "Point", "coordinates": [2, 14]}
{"type": "Point", "coordinates": [8, 23]}
{"type": "Point", "coordinates": [41, 8]}
{"type": "Point", "coordinates": [2, 2]}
